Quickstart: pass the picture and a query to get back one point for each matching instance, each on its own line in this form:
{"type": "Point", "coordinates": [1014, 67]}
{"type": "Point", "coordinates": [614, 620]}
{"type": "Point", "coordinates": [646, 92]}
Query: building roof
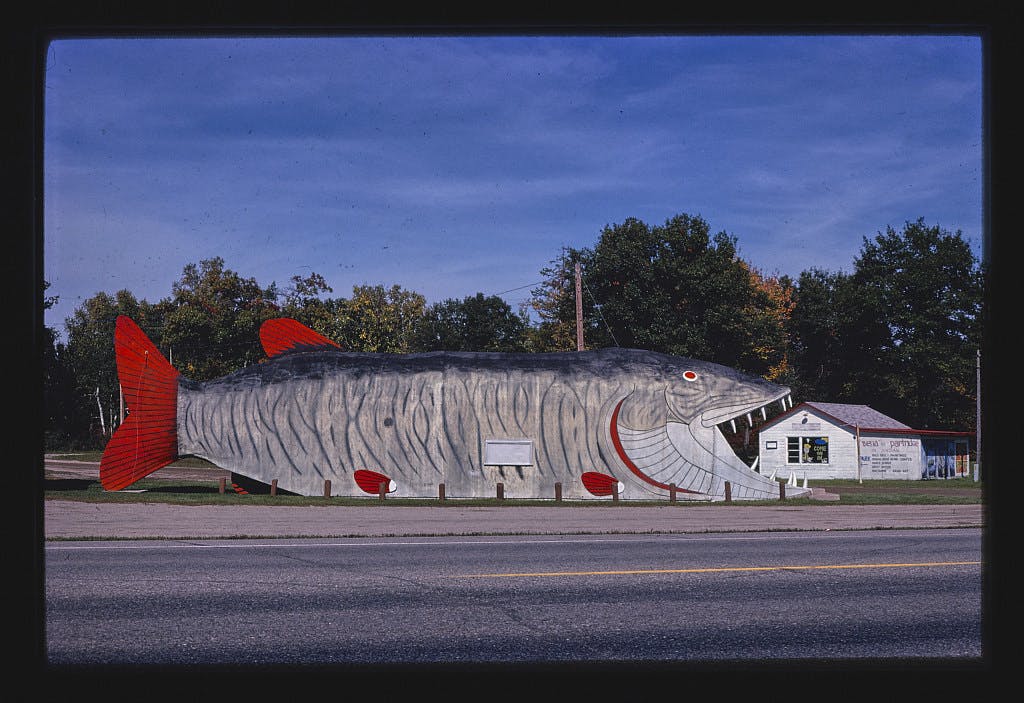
{"type": "Point", "coordinates": [863, 418]}
{"type": "Point", "coordinates": [859, 416]}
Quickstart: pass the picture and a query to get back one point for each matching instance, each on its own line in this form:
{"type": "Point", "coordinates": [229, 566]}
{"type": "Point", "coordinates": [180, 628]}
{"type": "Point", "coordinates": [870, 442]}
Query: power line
{"type": "Point", "coordinates": [598, 308]}
{"type": "Point", "coordinates": [510, 290]}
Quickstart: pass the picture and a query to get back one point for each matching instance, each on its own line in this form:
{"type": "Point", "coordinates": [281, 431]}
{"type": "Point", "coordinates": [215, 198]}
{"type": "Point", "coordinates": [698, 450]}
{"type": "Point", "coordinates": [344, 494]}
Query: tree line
{"type": "Point", "coordinates": [899, 333]}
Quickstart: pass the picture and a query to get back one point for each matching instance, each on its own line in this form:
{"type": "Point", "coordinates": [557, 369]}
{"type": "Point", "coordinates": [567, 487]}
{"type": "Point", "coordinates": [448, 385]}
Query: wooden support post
{"type": "Point", "coordinates": [382, 490]}
{"type": "Point", "coordinates": [440, 492]}
{"type": "Point", "coordinates": [782, 490]}
{"type": "Point", "coordinates": [501, 491]}
{"type": "Point", "coordinates": [558, 492]}
{"type": "Point", "coordinates": [615, 492]}
{"type": "Point", "coordinates": [273, 487]}
{"type": "Point", "coordinates": [671, 493]}
{"type": "Point", "coordinates": [728, 492]}
{"type": "Point", "coordinates": [327, 488]}
{"type": "Point", "coordinates": [223, 483]}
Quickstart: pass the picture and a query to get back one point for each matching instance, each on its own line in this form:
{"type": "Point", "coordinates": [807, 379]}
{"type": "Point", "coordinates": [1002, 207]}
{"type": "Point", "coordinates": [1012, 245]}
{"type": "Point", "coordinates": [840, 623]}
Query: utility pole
{"type": "Point", "coordinates": [859, 479]}
{"type": "Point", "coordinates": [977, 419]}
{"type": "Point", "coordinates": [579, 309]}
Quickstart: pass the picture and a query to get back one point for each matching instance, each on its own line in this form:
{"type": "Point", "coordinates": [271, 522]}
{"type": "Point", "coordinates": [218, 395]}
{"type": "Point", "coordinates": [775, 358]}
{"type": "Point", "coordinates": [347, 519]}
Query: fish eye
{"type": "Point", "coordinates": [689, 376]}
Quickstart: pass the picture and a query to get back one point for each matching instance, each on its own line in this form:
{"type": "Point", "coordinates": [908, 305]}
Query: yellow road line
{"type": "Point", "coordinates": [723, 569]}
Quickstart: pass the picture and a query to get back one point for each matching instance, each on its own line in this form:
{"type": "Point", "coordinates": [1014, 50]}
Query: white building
{"type": "Point", "coordinates": [834, 440]}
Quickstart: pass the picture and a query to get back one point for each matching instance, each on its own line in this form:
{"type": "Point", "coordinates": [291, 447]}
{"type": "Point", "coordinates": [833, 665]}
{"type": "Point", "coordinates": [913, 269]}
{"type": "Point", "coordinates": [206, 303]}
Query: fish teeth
{"type": "Point", "coordinates": [764, 414]}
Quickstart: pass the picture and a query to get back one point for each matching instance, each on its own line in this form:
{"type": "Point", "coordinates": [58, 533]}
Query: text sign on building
{"type": "Point", "coordinates": [508, 452]}
{"type": "Point", "coordinates": [890, 457]}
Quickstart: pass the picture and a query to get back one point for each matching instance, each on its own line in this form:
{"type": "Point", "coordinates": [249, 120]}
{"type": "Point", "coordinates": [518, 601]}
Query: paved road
{"type": "Point", "coordinates": [72, 519]}
{"type": "Point", "coordinates": [577, 600]}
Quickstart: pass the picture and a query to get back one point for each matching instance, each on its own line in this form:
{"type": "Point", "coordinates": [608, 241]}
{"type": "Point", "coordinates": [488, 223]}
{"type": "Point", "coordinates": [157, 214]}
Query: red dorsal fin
{"type": "Point", "coordinates": [284, 334]}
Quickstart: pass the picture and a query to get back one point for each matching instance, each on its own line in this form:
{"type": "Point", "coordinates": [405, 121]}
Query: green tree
{"type": "Point", "coordinates": [900, 333]}
{"type": "Point", "coordinates": [674, 288]}
{"type": "Point", "coordinates": [305, 300]}
{"type": "Point", "coordinates": [89, 359]}
{"type": "Point", "coordinates": [840, 341]}
{"type": "Point", "coordinates": [59, 395]}
{"type": "Point", "coordinates": [475, 323]}
{"type": "Point", "coordinates": [376, 319]}
{"type": "Point", "coordinates": [211, 323]}
{"type": "Point", "coordinates": [928, 285]}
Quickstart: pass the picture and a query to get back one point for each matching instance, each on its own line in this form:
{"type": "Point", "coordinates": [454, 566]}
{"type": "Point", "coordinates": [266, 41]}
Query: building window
{"type": "Point", "coordinates": [792, 450]}
{"type": "Point", "coordinates": [807, 450]}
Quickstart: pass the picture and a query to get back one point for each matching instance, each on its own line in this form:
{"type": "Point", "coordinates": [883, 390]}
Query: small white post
{"type": "Point", "coordinates": [103, 425]}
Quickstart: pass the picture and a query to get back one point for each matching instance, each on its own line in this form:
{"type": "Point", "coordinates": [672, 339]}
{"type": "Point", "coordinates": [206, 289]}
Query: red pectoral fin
{"type": "Point", "coordinates": [598, 484]}
{"type": "Point", "coordinates": [369, 481]}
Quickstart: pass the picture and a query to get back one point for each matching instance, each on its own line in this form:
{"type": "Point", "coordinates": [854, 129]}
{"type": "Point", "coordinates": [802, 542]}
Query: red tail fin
{"type": "Point", "coordinates": [148, 439]}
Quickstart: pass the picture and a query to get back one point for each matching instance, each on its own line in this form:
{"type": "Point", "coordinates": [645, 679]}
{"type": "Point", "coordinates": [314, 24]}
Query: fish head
{"type": "Point", "coordinates": [707, 394]}
{"type": "Point", "coordinates": [667, 432]}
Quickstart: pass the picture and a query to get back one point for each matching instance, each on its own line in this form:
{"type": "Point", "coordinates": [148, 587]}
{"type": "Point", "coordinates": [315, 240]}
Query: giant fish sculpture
{"type": "Point", "coordinates": [637, 422]}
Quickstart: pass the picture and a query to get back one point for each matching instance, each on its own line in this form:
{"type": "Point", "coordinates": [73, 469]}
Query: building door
{"type": "Point", "coordinates": [962, 458]}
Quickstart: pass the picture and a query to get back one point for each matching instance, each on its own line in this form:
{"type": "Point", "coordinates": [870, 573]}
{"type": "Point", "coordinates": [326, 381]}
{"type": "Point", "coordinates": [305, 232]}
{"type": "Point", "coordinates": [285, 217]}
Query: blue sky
{"type": "Point", "coordinates": [463, 164]}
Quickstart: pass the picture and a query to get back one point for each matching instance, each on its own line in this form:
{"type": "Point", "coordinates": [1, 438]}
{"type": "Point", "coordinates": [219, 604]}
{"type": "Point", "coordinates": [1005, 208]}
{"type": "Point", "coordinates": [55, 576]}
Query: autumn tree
{"type": "Point", "coordinates": [376, 319]}
{"type": "Point", "coordinates": [554, 303]}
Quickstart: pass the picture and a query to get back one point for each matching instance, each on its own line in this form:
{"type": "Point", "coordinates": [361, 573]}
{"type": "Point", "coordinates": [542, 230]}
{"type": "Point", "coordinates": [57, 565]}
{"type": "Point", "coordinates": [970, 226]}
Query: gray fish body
{"type": "Point", "coordinates": [427, 419]}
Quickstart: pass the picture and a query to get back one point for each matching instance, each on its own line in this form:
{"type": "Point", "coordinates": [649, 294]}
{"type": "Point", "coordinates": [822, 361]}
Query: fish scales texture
{"type": "Point", "coordinates": [424, 419]}
{"type": "Point", "coordinates": [416, 418]}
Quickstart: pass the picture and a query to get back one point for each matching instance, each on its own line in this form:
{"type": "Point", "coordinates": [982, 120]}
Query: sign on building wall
{"type": "Point", "coordinates": [890, 457]}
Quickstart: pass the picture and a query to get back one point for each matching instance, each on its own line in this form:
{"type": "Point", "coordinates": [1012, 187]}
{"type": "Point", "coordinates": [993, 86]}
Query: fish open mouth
{"type": "Point", "coordinates": [695, 458]}
{"type": "Point", "coordinates": [730, 414]}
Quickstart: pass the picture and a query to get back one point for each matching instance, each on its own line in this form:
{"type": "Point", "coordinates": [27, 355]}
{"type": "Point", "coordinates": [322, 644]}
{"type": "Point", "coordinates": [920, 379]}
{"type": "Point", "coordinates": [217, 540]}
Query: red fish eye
{"type": "Point", "coordinates": [689, 375]}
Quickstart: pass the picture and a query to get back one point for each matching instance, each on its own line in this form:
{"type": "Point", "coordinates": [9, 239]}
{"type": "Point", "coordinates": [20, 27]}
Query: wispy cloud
{"type": "Point", "coordinates": [452, 165]}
